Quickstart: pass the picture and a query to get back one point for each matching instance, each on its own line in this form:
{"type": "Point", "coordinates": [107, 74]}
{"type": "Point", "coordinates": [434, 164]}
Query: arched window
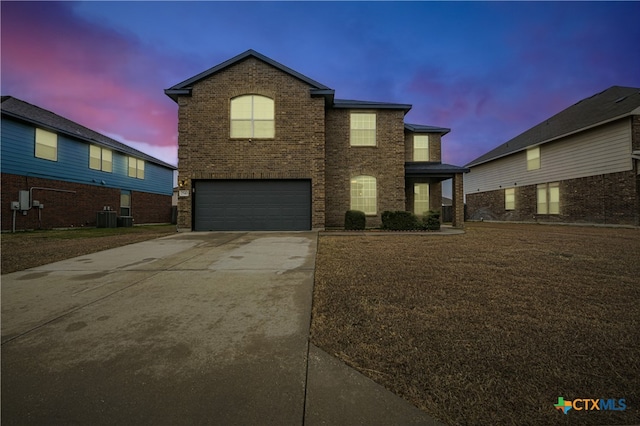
{"type": "Point", "coordinates": [252, 116]}
{"type": "Point", "coordinates": [364, 194]}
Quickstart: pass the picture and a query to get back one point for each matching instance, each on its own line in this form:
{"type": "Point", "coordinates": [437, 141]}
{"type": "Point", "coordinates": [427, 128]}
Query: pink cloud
{"type": "Point", "coordinates": [101, 78]}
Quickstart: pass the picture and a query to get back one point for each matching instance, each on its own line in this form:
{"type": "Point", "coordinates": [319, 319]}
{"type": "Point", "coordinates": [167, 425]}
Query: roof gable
{"type": "Point", "coordinates": [24, 111]}
{"type": "Point", "coordinates": [611, 104]}
{"type": "Point", "coordinates": [184, 88]}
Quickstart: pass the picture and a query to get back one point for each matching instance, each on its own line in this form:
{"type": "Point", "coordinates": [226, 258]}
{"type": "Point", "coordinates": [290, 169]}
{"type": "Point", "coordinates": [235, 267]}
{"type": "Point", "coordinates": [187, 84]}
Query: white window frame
{"type": "Point", "coordinates": [421, 148]}
{"type": "Point", "coordinates": [135, 167]}
{"type": "Point", "coordinates": [100, 158]}
{"type": "Point", "coordinates": [248, 120]}
{"type": "Point", "coordinates": [533, 158]}
{"type": "Point", "coordinates": [548, 198]}
{"type": "Point", "coordinates": [46, 145]}
{"type": "Point", "coordinates": [421, 198]}
{"type": "Point", "coordinates": [364, 194]}
{"type": "Point", "coordinates": [509, 198]}
{"type": "Point", "coordinates": [363, 129]}
{"type": "Point", "coordinates": [125, 203]}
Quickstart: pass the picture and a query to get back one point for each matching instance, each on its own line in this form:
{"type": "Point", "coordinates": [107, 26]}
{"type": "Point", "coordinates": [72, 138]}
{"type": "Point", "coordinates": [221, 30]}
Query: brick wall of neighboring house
{"type": "Point", "coordinates": [65, 209]}
{"type": "Point", "coordinates": [206, 150]}
{"type": "Point", "coordinates": [150, 208]}
{"type": "Point", "coordinates": [385, 162]}
{"type": "Point", "coordinates": [602, 199]}
{"type": "Point", "coordinates": [635, 143]}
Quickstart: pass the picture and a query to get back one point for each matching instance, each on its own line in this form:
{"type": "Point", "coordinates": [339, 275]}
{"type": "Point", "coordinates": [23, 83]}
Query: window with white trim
{"type": "Point", "coordinates": [363, 129]}
{"type": "Point", "coordinates": [510, 199]}
{"type": "Point", "coordinates": [364, 195]}
{"type": "Point", "coordinates": [252, 116]}
{"type": "Point", "coordinates": [135, 167]}
{"type": "Point", "coordinates": [125, 203]}
{"type": "Point", "coordinates": [421, 148]}
{"type": "Point", "coordinates": [533, 158]}
{"type": "Point", "coordinates": [100, 158]}
{"type": "Point", "coordinates": [420, 198]}
{"type": "Point", "coordinates": [46, 145]}
{"type": "Point", "coordinates": [548, 198]}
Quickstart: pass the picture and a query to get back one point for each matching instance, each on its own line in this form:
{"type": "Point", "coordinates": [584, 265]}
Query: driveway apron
{"type": "Point", "coordinates": [195, 328]}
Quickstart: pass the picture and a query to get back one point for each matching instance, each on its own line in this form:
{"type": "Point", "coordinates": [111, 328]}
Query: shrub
{"type": "Point", "coordinates": [431, 220]}
{"type": "Point", "coordinates": [354, 220]}
{"type": "Point", "coordinates": [400, 221]}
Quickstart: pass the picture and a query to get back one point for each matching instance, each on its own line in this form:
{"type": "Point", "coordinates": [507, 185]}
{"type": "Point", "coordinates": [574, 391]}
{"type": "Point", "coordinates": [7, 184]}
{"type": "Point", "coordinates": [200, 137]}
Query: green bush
{"type": "Point", "coordinates": [354, 220]}
{"type": "Point", "coordinates": [431, 220]}
{"type": "Point", "coordinates": [400, 221]}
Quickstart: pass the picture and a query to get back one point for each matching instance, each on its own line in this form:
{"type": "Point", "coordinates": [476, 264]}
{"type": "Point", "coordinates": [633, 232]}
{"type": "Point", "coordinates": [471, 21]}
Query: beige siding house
{"type": "Point", "coordinates": [263, 147]}
{"type": "Point", "coordinates": [580, 165]}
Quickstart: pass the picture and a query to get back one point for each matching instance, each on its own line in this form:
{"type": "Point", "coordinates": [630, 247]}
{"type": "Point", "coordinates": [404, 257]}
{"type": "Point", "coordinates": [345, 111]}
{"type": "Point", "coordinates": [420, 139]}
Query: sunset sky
{"type": "Point", "coordinates": [487, 70]}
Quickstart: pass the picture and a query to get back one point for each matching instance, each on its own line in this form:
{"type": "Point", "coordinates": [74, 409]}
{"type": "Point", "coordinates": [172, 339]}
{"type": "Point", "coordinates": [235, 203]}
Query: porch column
{"type": "Point", "coordinates": [458, 201]}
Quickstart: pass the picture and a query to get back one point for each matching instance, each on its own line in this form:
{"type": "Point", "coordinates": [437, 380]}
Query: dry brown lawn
{"type": "Point", "coordinates": [23, 250]}
{"type": "Point", "coordinates": [492, 326]}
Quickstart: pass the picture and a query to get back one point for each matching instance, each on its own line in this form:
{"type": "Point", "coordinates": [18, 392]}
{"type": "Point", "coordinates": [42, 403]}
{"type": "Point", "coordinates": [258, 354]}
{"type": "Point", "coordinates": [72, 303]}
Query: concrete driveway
{"type": "Point", "coordinates": [196, 328]}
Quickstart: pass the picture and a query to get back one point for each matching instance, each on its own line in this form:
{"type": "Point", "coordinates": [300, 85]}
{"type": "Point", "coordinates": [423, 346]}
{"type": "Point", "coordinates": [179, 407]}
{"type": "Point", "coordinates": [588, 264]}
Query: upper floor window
{"type": "Point", "coordinates": [548, 198]}
{"type": "Point", "coordinates": [46, 145]}
{"type": "Point", "coordinates": [421, 148]}
{"type": "Point", "coordinates": [510, 199]}
{"type": "Point", "coordinates": [136, 167]}
{"type": "Point", "coordinates": [364, 194]}
{"type": "Point", "coordinates": [363, 129]}
{"type": "Point", "coordinates": [533, 158]}
{"type": "Point", "coordinates": [100, 158]}
{"type": "Point", "coordinates": [252, 116]}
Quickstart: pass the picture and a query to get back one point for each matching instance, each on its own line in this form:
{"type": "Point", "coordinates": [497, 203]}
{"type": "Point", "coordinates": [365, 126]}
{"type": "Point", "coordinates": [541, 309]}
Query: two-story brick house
{"type": "Point", "coordinates": [263, 147]}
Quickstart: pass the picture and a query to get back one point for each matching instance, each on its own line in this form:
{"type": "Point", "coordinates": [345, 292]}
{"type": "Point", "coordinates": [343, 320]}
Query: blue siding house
{"type": "Point", "coordinates": [57, 173]}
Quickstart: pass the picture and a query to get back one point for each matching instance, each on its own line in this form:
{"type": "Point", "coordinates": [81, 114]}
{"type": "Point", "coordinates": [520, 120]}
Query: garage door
{"type": "Point", "coordinates": [252, 205]}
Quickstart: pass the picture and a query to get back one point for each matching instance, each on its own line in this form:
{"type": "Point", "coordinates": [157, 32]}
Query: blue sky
{"type": "Point", "coordinates": [487, 70]}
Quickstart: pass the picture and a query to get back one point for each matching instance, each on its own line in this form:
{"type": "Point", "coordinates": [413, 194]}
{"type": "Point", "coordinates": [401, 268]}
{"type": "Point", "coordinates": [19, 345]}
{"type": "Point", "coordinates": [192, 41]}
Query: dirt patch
{"type": "Point", "coordinates": [492, 326]}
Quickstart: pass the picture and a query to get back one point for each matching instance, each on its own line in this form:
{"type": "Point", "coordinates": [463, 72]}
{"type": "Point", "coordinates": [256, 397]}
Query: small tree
{"type": "Point", "coordinates": [355, 220]}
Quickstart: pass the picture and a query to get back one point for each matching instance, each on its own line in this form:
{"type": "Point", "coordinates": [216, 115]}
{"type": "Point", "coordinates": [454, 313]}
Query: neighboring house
{"type": "Point", "coordinates": [263, 147]}
{"type": "Point", "coordinates": [581, 166]}
{"type": "Point", "coordinates": [57, 173]}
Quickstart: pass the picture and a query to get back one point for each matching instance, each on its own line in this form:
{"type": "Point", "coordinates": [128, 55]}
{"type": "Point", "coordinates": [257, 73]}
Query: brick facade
{"type": "Point", "coordinates": [74, 209]}
{"type": "Point", "coordinates": [435, 147]}
{"type": "Point", "coordinates": [385, 162]}
{"type": "Point", "coordinates": [312, 141]}
{"type": "Point", "coordinates": [602, 199]}
{"type": "Point", "coordinates": [206, 150]}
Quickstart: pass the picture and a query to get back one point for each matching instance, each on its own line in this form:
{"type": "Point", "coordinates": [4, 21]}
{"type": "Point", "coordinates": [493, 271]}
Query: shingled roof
{"type": "Point", "coordinates": [24, 111]}
{"type": "Point", "coordinates": [611, 104]}
{"type": "Point", "coordinates": [185, 87]}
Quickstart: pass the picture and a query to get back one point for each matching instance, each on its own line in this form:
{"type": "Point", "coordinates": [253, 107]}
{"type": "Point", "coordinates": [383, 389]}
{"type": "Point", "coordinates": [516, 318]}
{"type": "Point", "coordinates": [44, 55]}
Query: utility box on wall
{"type": "Point", "coordinates": [106, 219]}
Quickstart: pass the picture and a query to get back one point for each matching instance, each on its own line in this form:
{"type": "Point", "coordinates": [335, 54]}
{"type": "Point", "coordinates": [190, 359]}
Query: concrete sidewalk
{"type": "Point", "coordinates": [197, 328]}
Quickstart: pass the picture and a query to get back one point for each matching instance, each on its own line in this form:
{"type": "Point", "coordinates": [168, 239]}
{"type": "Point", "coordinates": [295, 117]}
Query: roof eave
{"type": "Point", "coordinates": [88, 140]}
{"type": "Point", "coordinates": [415, 128]}
{"type": "Point", "coordinates": [601, 123]}
{"type": "Point", "coordinates": [174, 93]}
